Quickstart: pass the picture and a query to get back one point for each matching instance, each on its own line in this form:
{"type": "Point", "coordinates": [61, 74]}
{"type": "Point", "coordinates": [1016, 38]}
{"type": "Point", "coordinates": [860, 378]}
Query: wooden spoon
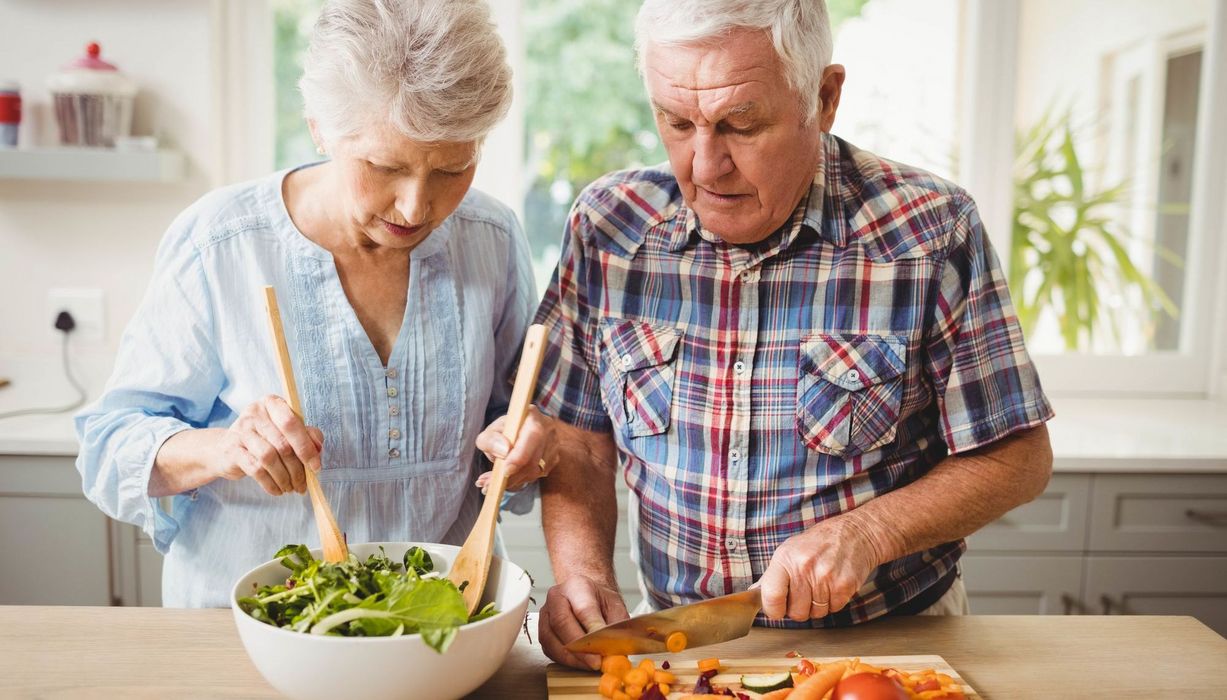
{"type": "Point", "coordinates": [331, 538]}
{"type": "Point", "coordinates": [473, 561]}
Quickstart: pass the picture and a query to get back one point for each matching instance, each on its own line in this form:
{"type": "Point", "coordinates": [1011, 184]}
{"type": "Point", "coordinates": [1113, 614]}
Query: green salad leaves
{"type": "Point", "coordinates": [373, 598]}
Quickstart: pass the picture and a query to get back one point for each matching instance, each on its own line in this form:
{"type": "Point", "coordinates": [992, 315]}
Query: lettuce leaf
{"type": "Point", "coordinates": [375, 598]}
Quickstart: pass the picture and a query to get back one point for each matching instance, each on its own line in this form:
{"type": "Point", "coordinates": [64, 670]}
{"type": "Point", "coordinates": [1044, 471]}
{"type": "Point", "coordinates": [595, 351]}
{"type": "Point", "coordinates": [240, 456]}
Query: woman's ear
{"type": "Point", "coordinates": [315, 136]}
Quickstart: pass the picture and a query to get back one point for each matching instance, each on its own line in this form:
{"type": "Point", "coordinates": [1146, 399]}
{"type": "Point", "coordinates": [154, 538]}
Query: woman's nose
{"type": "Point", "coordinates": [413, 202]}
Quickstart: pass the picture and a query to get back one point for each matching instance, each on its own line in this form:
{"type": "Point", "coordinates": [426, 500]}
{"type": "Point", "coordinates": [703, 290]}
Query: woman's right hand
{"type": "Point", "coordinates": [270, 444]}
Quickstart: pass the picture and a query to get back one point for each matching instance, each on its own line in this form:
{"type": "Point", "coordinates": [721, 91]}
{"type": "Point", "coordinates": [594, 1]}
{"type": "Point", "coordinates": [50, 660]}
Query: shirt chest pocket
{"type": "Point", "coordinates": [637, 374]}
{"type": "Point", "coordinates": [850, 391]}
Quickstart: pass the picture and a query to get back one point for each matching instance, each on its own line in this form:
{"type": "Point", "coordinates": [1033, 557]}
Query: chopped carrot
{"type": "Point", "coordinates": [817, 685]}
{"type": "Point", "coordinates": [647, 667]}
{"type": "Point", "coordinates": [778, 694]}
{"type": "Point", "coordinates": [609, 685]}
{"type": "Point", "coordinates": [617, 664]}
{"type": "Point", "coordinates": [664, 677]}
{"type": "Point", "coordinates": [663, 688]}
{"type": "Point", "coordinates": [712, 664]}
{"type": "Point", "coordinates": [636, 676]}
{"type": "Point", "coordinates": [634, 692]}
{"type": "Point", "coordinates": [619, 695]}
{"type": "Point", "coordinates": [676, 642]}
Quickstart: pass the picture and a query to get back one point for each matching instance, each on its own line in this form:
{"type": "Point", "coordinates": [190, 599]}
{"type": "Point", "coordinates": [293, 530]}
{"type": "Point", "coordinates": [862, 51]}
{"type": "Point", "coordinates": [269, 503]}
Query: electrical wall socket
{"type": "Point", "coordinates": [86, 308]}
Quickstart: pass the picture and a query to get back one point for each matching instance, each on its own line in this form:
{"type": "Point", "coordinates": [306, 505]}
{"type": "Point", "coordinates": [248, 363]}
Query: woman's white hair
{"type": "Point", "coordinates": [799, 29]}
{"type": "Point", "coordinates": [435, 69]}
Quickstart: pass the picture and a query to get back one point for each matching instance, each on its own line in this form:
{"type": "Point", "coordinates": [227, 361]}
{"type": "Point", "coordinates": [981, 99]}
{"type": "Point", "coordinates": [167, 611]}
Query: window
{"type": "Point", "coordinates": [1106, 108]}
{"type": "Point", "coordinates": [1107, 268]}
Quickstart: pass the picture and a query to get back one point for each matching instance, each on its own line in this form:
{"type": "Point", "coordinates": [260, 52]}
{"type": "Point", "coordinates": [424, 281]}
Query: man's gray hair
{"type": "Point", "coordinates": [435, 69]}
{"type": "Point", "coordinates": [799, 29]}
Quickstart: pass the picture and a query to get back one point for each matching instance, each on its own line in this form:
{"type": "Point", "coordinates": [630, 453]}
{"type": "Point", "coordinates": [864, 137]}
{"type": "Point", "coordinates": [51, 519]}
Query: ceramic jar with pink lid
{"type": "Point", "coordinates": [93, 101]}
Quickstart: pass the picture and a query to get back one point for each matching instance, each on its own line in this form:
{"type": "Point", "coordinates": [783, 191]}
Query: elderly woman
{"type": "Point", "coordinates": [404, 293]}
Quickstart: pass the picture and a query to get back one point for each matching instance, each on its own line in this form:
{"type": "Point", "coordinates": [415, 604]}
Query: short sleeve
{"type": "Point", "coordinates": [569, 384]}
{"type": "Point", "coordinates": [986, 384]}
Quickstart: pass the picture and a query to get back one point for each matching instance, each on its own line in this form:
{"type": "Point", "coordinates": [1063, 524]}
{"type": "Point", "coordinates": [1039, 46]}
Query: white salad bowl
{"type": "Point", "coordinates": [311, 666]}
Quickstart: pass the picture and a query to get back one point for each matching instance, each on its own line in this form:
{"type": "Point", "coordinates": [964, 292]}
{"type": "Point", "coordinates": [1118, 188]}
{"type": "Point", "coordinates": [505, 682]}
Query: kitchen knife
{"type": "Point", "coordinates": [709, 621]}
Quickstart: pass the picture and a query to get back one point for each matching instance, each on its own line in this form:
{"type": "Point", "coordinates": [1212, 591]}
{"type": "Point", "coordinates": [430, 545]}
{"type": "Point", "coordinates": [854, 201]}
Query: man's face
{"type": "Point", "coordinates": [735, 132]}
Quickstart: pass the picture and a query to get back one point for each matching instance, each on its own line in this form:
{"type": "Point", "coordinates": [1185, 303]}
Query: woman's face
{"type": "Point", "coordinates": [397, 190]}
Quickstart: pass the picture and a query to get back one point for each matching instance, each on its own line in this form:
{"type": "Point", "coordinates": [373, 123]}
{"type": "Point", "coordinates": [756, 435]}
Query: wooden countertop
{"type": "Point", "coordinates": [156, 653]}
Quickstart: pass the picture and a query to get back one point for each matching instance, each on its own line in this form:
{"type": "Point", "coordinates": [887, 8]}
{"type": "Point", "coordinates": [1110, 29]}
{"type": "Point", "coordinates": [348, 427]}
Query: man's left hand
{"type": "Point", "coordinates": [817, 572]}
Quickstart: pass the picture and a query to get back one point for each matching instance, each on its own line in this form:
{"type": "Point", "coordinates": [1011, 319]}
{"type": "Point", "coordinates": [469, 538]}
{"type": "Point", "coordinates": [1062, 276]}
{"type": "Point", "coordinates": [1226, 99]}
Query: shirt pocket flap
{"type": "Point", "coordinates": [854, 362]}
{"type": "Point", "coordinates": [635, 345]}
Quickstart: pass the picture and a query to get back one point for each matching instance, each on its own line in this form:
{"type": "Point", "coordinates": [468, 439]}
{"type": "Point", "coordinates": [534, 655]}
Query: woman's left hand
{"type": "Point", "coordinates": [531, 457]}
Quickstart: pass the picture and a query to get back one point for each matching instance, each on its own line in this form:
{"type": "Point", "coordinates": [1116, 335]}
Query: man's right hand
{"type": "Point", "coordinates": [573, 608]}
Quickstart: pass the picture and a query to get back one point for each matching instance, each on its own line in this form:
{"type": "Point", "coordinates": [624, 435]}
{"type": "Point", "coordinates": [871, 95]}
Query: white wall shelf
{"type": "Point", "coordinates": [91, 165]}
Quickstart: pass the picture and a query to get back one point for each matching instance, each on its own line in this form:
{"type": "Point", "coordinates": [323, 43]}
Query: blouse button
{"type": "Point", "coordinates": [394, 434]}
{"type": "Point", "coordinates": [393, 453]}
{"type": "Point", "coordinates": [394, 410]}
{"type": "Point", "coordinates": [627, 361]}
{"type": "Point", "coordinates": [391, 391]}
{"type": "Point", "coordinates": [391, 373]}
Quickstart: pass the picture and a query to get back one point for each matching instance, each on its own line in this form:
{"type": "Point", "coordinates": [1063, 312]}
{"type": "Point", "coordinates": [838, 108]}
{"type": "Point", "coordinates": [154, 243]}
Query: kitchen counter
{"type": "Point", "coordinates": [157, 653]}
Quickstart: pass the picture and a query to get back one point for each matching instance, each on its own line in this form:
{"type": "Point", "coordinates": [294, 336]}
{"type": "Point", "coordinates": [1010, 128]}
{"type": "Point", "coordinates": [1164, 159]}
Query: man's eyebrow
{"type": "Point", "coordinates": [740, 110]}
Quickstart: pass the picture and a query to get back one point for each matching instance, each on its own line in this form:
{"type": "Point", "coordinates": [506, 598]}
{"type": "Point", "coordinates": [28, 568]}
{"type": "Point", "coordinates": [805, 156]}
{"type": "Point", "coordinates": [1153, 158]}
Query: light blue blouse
{"type": "Point", "coordinates": [399, 459]}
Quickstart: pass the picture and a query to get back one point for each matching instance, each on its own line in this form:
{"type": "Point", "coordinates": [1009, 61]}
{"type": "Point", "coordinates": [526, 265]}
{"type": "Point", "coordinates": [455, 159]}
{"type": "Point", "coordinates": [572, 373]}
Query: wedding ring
{"type": "Point", "coordinates": [818, 604]}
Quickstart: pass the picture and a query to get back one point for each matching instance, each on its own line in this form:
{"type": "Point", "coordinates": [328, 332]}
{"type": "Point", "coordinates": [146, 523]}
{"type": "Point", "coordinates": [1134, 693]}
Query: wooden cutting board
{"type": "Point", "coordinates": [570, 684]}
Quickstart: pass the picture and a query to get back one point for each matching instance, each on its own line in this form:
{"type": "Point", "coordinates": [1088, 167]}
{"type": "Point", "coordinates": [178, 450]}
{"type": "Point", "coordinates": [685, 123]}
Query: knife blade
{"type": "Point", "coordinates": [706, 622]}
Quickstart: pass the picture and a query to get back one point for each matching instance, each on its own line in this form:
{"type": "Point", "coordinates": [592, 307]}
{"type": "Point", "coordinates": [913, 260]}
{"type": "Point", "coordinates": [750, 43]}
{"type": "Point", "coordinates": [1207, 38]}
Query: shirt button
{"type": "Point", "coordinates": [394, 410]}
{"type": "Point", "coordinates": [739, 367]}
{"type": "Point", "coordinates": [731, 544]}
{"type": "Point", "coordinates": [853, 375]}
{"type": "Point", "coordinates": [393, 453]}
{"type": "Point", "coordinates": [391, 391]}
{"type": "Point", "coordinates": [734, 455]}
{"type": "Point", "coordinates": [394, 434]}
{"type": "Point", "coordinates": [391, 373]}
{"type": "Point", "coordinates": [627, 361]}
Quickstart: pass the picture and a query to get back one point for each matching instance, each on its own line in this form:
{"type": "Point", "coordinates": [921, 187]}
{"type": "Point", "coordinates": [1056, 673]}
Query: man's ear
{"type": "Point", "coordinates": [828, 94]}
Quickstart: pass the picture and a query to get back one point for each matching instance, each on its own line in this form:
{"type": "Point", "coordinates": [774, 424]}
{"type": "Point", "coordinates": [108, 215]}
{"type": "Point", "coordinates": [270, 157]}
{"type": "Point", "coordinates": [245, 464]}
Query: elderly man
{"type": "Point", "coordinates": [802, 358]}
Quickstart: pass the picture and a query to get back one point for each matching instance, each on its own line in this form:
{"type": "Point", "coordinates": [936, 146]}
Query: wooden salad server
{"type": "Point", "coordinates": [472, 563]}
{"type": "Point", "coordinates": [331, 538]}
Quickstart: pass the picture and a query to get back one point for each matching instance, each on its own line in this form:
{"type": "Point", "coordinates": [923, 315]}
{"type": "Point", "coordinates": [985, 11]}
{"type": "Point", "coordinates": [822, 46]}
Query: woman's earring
{"type": "Point", "coordinates": [319, 150]}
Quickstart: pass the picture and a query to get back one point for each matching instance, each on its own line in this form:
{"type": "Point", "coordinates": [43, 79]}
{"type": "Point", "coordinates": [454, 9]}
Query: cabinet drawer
{"type": "Point", "coordinates": [1159, 513]}
{"type": "Point", "coordinates": [1056, 521]}
{"type": "Point", "coordinates": [1195, 586]}
{"type": "Point", "coordinates": [1022, 584]}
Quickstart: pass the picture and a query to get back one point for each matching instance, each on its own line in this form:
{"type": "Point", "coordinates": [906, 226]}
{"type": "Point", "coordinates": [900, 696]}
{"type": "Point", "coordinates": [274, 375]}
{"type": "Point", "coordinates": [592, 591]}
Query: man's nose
{"type": "Point", "coordinates": [712, 159]}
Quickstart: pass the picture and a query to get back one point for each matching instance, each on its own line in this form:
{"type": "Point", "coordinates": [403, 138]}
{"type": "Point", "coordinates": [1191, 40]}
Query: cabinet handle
{"type": "Point", "coordinates": [1071, 605]}
{"type": "Point", "coordinates": [1210, 517]}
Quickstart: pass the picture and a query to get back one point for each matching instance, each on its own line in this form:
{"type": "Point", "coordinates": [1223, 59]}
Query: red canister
{"type": "Point", "coordinates": [10, 112]}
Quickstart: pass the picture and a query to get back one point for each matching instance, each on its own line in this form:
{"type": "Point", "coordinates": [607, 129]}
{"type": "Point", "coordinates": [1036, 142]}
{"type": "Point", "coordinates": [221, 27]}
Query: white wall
{"type": "Point", "coordinates": [55, 234]}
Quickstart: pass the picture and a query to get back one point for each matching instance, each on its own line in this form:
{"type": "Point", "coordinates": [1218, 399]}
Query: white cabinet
{"type": "Point", "coordinates": [57, 548]}
{"type": "Point", "coordinates": [1108, 544]}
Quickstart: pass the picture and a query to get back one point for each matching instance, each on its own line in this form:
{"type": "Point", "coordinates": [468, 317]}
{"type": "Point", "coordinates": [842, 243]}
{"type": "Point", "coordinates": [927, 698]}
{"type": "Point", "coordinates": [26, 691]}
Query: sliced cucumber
{"type": "Point", "coordinates": [766, 682]}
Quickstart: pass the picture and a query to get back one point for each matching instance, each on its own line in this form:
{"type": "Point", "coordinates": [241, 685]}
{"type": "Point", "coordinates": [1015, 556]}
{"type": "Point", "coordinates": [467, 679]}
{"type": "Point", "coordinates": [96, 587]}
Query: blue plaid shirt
{"type": "Point", "coordinates": [753, 391]}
